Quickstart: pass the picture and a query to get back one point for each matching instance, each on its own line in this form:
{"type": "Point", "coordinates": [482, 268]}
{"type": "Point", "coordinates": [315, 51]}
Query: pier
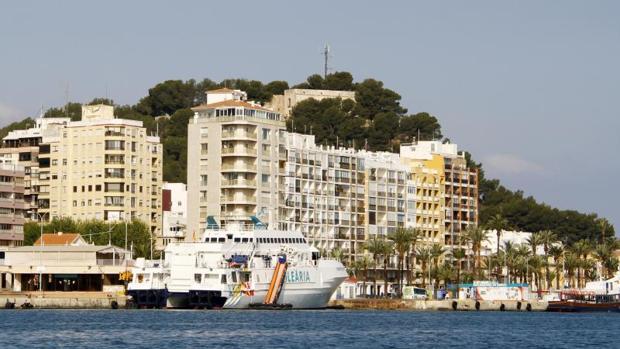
{"type": "Point", "coordinates": [62, 300]}
{"type": "Point", "coordinates": [440, 305]}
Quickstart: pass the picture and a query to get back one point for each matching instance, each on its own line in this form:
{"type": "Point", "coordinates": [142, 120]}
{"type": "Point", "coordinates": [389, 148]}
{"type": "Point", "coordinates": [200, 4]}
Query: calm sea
{"type": "Point", "coordinates": [303, 329]}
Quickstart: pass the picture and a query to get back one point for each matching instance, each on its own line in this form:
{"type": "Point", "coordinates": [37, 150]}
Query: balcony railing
{"type": "Point", "coordinates": [237, 198]}
{"type": "Point", "coordinates": [239, 151]}
{"type": "Point", "coordinates": [239, 167]}
{"type": "Point", "coordinates": [239, 134]}
{"type": "Point", "coordinates": [239, 182]}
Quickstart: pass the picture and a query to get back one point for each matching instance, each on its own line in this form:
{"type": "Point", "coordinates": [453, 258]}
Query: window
{"type": "Point", "coordinates": [266, 134]}
{"type": "Point", "coordinates": [98, 187]}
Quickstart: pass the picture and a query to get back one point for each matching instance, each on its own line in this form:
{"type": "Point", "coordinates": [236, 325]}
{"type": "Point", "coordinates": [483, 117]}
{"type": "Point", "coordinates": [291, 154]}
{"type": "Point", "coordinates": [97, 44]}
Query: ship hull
{"type": "Point", "coordinates": [577, 307]}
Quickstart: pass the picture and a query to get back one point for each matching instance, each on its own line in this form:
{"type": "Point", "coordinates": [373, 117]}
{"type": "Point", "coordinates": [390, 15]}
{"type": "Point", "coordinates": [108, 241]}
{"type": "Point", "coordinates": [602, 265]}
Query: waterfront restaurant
{"type": "Point", "coordinates": [63, 268]}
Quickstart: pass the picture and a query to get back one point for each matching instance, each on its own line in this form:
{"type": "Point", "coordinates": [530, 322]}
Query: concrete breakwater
{"type": "Point", "coordinates": [62, 300]}
{"type": "Point", "coordinates": [441, 305]}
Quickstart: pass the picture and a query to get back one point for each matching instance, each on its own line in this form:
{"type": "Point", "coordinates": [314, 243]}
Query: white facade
{"type": "Point", "coordinates": [174, 218]}
{"type": "Point", "coordinates": [489, 247]}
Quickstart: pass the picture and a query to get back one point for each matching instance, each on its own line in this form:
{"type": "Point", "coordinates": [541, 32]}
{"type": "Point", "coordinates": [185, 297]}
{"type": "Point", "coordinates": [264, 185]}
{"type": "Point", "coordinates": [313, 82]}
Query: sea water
{"type": "Point", "coordinates": [304, 329]}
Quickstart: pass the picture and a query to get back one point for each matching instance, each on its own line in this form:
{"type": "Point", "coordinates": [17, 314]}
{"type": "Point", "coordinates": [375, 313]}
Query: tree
{"type": "Point", "coordinates": [571, 262]}
{"type": "Point", "coordinates": [340, 81]}
{"type": "Point", "coordinates": [168, 97]}
{"type": "Point", "coordinates": [476, 236]}
{"type": "Point", "coordinates": [548, 239]}
{"type": "Point", "coordinates": [497, 223]}
{"type": "Point", "coordinates": [424, 255]}
{"type": "Point", "coordinates": [458, 254]}
{"type": "Point", "coordinates": [362, 265]}
{"type": "Point", "coordinates": [416, 235]}
{"type": "Point", "coordinates": [276, 87]}
{"type": "Point", "coordinates": [423, 125]}
{"type": "Point", "coordinates": [71, 110]}
{"type": "Point", "coordinates": [402, 239]}
{"type": "Point", "coordinates": [581, 249]}
{"type": "Point", "coordinates": [604, 226]}
{"type": "Point", "coordinates": [386, 252]}
{"type": "Point", "coordinates": [375, 247]}
{"type": "Point", "coordinates": [372, 99]}
{"type": "Point", "coordinates": [437, 251]}
{"type": "Point", "coordinates": [557, 253]}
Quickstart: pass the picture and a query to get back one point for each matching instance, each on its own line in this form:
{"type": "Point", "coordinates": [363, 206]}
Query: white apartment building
{"type": "Point", "coordinates": [340, 197]}
{"type": "Point", "coordinates": [99, 167]}
{"type": "Point", "coordinates": [174, 207]}
{"type": "Point", "coordinates": [22, 147]}
{"type": "Point", "coordinates": [232, 160]}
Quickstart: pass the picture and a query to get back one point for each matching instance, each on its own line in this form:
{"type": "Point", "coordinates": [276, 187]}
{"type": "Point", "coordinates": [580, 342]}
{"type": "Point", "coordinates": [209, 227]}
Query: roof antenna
{"type": "Point", "coordinates": [326, 54]}
{"type": "Point", "coordinates": [67, 99]}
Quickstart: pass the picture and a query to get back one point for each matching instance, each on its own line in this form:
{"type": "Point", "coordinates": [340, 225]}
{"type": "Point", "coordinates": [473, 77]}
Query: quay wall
{"type": "Point", "coordinates": [440, 305]}
{"type": "Point", "coordinates": [63, 300]}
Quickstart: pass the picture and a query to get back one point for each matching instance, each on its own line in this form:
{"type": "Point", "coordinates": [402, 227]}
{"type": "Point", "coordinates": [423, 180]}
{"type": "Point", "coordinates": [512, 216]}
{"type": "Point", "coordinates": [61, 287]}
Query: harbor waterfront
{"type": "Point", "coordinates": [303, 329]}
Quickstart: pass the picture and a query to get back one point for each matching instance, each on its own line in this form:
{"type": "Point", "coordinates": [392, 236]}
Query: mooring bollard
{"type": "Point", "coordinates": [528, 307]}
{"type": "Point", "coordinates": [454, 305]}
{"type": "Point", "coordinates": [502, 307]}
{"type": "Point", "coordinates": [518, 305]}
{"type": "Point", "coordinates": [477, 305]}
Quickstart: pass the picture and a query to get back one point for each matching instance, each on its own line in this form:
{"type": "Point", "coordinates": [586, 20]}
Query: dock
{"type": "Point", "coordinates": [63, 300]}
{"type": "Point", "coordinates": [440, 305]}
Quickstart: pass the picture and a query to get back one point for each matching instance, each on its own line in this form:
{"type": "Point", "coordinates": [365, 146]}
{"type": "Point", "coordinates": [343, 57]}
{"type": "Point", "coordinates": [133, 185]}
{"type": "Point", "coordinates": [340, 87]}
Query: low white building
{"type": "Point", "coordinates": [174, 204]}
{"type": "Point", "coordinates": [489, 247]}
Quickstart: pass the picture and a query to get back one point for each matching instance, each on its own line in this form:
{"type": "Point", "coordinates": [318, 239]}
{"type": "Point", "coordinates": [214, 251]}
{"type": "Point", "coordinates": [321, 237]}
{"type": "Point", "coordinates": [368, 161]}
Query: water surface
{"type": "Point", "coordinates": [304, 329]}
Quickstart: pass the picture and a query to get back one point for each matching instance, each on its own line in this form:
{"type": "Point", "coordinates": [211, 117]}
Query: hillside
{"type": "Point", "coordinates": [375, 121]}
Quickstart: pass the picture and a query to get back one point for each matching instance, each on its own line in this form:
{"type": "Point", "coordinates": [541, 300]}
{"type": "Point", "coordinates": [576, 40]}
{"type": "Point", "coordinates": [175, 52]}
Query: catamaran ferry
{"type": "Point", "coordinates": [239, 267]}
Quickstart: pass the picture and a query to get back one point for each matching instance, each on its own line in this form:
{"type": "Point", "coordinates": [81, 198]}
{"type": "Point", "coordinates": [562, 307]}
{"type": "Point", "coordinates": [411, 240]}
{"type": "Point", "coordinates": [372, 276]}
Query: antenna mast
{"type": "Point", "coordinates": [326, 54]}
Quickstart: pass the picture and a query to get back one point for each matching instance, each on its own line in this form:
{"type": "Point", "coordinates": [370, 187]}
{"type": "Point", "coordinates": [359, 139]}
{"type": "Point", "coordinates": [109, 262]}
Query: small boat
{"type": "Point", "coordinates": [597, 296]}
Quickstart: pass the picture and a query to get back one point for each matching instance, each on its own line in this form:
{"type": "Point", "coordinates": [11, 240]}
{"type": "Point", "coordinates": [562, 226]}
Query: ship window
{"type": "Point", "coordinates": [251, 239]}
{"type": "Point", "coordinates": [271, 240]}
{"type": "Point", "coordinates": [221, 240]}
{"type": "Point", "coordinates": [223, 278]}
{"type": "Point", "coordinates": [197, 278]}
{"type": "Point", "coordinates": [234, 277]}
{"type": "Point", "coordinates": [237, 240]}
{"type": "Point", "coordinates": [244, 240]}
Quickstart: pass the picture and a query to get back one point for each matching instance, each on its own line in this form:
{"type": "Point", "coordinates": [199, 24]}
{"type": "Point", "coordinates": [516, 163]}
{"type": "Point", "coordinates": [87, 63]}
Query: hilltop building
{"type": "Point", "coordinates": [99, 167]}
{"type": "Point", "coordinates": [284, 104]}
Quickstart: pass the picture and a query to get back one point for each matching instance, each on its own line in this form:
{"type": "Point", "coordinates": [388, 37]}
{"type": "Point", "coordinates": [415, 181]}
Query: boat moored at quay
{"type": "Point", "coordinates": [597, 296]}
{"type": "Point", "coordinates": [239, 266]}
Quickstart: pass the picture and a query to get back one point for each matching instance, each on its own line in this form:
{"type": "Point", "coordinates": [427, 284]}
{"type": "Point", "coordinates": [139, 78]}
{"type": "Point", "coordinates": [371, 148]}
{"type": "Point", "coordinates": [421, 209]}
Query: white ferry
{"type": "Point", "coordinates": [243, 267]}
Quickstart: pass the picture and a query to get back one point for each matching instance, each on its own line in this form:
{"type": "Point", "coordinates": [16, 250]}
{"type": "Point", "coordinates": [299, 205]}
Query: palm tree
{"type": "Point", "coordinates": [458, 254]}
{"type": "Point", "coordinates": [336, 254]}
{"type": "Point", "coordinates": [424, 255]}
{"type": "Point", "coordinates": [375, 247]}
{"type": "Point", "coordinates": [571, 262]}
{"type": "Point", "coordinates": [499, 224]}
{"type": "Point", "coordinates": [581, 248]}
{"type": "Point", "coordinates": [604, 226]}
{"type": "Point", "coordinates": [548, 239]}
{"type": "Point", "coordinates": [362, 265]}
{"type": "Point", "coordinates": [416, 235]}
{"type": "Point", "coordinates": [557, 253]}
{"type": "Point", "coordinates": [445, 273]}
{"type": "Point", "coordinates": [476, 236]}
{"type": "Point", "coordinates": [402, 239]}
{"type": "Point", "coordinates": [603, 253]}
{"type": "Point", "coordinates": [386, 252]}
{"type": "Point", "coordinates": [535, 265]}
{"type": "Point", "coordinates": [437, 250]}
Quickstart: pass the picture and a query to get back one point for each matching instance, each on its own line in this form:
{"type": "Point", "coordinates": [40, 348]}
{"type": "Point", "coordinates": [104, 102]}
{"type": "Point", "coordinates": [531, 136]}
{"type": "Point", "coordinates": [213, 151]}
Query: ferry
{"type": "Point", "coordinates": [242, 266]}
{"type": "Point", "coordinates": [597, 296]}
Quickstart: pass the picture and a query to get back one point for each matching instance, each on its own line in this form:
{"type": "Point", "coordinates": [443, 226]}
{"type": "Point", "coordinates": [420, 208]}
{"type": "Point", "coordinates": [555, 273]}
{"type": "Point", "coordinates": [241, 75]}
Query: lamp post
{"type": "Point", "coordinates": [40, 217]}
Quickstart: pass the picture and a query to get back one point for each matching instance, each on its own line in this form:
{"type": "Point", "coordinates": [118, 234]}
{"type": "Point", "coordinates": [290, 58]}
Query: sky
{"type": "Point", "coordinates": [531, 88]}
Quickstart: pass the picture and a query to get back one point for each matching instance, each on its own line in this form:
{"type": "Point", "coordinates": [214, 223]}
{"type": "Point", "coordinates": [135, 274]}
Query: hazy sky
{"type": "Point", "coordinates": [531, 88]}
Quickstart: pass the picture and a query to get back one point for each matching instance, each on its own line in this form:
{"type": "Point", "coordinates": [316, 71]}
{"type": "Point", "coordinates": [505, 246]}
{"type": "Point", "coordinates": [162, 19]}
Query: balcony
{"type": "Point", "coordinates": [238, 151]}
{"type": "Point", "coordinates": [236, 183]}
{"type": "Point", "coordinates": [237, 199]}
{"type": "Point", "coordinates": [238, 134]}
{"type": "Point", "coordinates": [241, 167]}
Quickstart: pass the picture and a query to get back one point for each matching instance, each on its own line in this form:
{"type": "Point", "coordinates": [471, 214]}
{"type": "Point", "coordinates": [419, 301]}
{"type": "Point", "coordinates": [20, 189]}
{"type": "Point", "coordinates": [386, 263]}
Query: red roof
{"type": "Point", "coordinates": [57, 239]}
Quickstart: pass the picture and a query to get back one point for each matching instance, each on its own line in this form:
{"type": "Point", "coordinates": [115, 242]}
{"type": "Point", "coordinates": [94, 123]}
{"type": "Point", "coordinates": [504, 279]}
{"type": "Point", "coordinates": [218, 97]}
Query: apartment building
{"type": "Point", "coordinates": [12, 204]}
{"type": "Point", "coordinates": [284, 104]}
{"type": "Point", "coordinates": [22, 147]}
{"type": "Point", "coordinates": [233, 157]}
{"type": "Point", "coordinates": [99, 167]}
{"type": "Point", "coordinates": [340, 197]}
{"type": "Point", "coordinates": [458, 184]}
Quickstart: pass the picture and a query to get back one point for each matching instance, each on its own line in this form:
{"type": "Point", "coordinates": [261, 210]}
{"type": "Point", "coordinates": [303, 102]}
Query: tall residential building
{"type": "Point", "coordinates": [460, 184]}
{"type": "Point", "coordinates": [233, 156]}
{"type": "Point", "coordinates": [22, 146]}
{"type": "Point", "coordinates": [339, 198]}
{"type": "Point", "coordinates": [284, 104]}
{"type": "Point", "coordinates": [12, 205]}
{"type": "Point", "coordinates": [174, 209]}
{"type": "Point", "coordinates": [99, 167]}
